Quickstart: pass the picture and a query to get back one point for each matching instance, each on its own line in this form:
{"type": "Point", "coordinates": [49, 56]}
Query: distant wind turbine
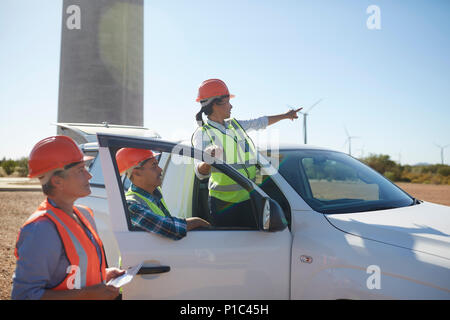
{"type": "Point", "coordinates": [361, 150]}
{"type": "Point", "coordinates": [442, 151]}
{"type": "Point", "coordinates": [349, 140]}
{"type": "Point", "coordinates": [305, 114]}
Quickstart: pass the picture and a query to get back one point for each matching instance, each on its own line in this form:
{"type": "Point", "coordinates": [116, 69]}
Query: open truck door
{"type": "Point", "coordinates": [209, 263]}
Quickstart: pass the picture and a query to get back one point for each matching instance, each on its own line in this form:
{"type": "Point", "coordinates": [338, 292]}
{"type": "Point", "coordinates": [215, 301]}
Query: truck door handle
{"type": "Point", "coordinates": [154, 270]}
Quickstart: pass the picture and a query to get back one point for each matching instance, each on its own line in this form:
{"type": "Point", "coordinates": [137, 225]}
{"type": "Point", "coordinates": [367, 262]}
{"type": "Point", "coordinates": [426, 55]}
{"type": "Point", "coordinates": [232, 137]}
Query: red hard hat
{"type": "Point", "coordinates": [53, 153]}
{"type": "Point", "coordinates": [212, 88]}
{"type": "Point", "coordinates": [130, 157]}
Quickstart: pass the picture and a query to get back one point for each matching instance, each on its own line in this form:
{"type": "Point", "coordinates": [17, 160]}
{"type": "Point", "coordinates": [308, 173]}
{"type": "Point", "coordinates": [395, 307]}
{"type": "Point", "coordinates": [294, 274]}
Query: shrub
{"type": "Point", "coordinates": [380, 163]}
{"type": "Point", "coordinates": [436, 174]}
{"type": "Point", "coordinates": [8, 166]}
{"type": "Point", "coordinates": [390, 175]}
{"type": "Point", "coordinates": [22, 167]}
{"type": "Point", "coordinates": [444, 171]}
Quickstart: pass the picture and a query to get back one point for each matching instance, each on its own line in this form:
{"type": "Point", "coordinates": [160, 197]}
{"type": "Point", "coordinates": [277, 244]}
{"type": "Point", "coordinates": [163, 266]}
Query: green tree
{"type": "Point", "coordinates": [22, 166]}
{"type": "Point", "coordinates": [9, 166]}
{"type": "Point", "coordinates": [444, 171]}
{"type": "Point", "coordinates": [380, 163]}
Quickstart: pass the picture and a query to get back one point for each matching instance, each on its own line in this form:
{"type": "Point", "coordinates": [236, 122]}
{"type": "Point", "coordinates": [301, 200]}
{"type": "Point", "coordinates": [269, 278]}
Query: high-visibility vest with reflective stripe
{"type": "Point", "coordinates": [139, 198]}
{"type": "Point", "coordinates": [79, 249]}
{"type": "Point", "coordinates": [239, 153]}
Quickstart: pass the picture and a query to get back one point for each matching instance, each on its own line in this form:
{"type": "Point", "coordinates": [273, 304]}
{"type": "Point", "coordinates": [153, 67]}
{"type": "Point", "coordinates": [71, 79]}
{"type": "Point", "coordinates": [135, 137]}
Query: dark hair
{"type": "Point", "coordinates": [207, 109]}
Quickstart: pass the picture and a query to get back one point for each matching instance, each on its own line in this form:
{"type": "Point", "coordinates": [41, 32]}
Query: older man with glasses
{"type": "Point", "coordinates": [58, 250]}
{"type": "Point", "coordinates": [145, 201]}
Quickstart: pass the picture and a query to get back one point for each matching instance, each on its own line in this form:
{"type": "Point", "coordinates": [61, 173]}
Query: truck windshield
{"type": "Point", "coordinates": [333, 182]}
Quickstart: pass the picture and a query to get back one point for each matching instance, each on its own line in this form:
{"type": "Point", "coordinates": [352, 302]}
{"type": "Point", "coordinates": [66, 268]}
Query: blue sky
{"type": "Point", "coordinates": [389, 86]}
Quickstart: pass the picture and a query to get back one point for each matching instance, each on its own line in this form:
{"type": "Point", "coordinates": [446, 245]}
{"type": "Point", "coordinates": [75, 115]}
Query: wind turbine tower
{"type": "Point", "coordinates": [442, 151]}
{"type": "Point", "coordinates": [101, 75]}
{"type": "Point", "coordinates": [349, 140]}
{"type": "Point", "coordinates": [305, 115]}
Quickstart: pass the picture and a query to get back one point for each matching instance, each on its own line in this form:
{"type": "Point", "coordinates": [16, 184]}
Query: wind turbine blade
{"type": "Point", "coordinates": [310, 108]}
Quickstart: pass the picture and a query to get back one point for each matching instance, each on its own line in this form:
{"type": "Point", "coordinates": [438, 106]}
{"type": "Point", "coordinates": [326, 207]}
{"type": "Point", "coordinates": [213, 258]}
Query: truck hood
{"type": "Point", "coordinates": [424, 227]}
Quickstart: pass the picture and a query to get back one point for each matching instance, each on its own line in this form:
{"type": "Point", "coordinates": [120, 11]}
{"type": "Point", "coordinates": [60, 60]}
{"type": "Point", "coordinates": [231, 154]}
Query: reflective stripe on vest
{"type": "Point", "coordinates": [139, 198]}
{"type": "Point", "coordinates": [85, 267]}
{"type": "Point", "coordinates": [87, 213]}
{"type": "Point", "coordinates": [239, 153]}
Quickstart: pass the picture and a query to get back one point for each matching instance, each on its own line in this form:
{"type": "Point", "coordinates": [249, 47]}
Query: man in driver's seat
{"type": "Point", "coordinates": [144, 198]}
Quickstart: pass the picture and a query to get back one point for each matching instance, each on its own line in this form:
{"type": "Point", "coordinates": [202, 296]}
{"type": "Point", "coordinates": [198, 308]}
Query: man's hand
{"type": "Point", "coordinates": [101, 292]}
{"type": "Point", "coordinates": [195, 222]}
{"type": "Point", "coordinates": [112, 273]}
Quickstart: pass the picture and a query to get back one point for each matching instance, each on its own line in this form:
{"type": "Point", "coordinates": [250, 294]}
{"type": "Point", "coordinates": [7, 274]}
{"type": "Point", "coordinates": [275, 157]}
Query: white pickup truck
{"type": "Point", "coordinates": [329, 228]}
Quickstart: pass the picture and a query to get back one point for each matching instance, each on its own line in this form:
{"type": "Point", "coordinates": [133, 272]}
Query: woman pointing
{"type": "Point", "coordinates": [226, 138]}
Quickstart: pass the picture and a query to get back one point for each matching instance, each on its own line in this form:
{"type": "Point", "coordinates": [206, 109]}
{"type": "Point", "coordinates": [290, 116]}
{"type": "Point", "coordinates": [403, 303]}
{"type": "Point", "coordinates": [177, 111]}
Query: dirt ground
{"type": "Point", "coordinates": [15, 207]}
{"type": "Point", "coordinates": [428, 192]}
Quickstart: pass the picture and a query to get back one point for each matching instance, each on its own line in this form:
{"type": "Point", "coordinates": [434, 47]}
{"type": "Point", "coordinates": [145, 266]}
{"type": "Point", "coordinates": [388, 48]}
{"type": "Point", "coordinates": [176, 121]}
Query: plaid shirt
{"type": "Point", "coordinates": [143, 217]}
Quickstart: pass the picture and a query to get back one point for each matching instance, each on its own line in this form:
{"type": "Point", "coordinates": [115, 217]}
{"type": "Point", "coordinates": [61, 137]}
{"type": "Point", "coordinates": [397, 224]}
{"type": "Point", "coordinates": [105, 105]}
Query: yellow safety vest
{"type": "Point", "coordinates": [239, 153]}
{"type": "Point", "coordinates": [134, 196]}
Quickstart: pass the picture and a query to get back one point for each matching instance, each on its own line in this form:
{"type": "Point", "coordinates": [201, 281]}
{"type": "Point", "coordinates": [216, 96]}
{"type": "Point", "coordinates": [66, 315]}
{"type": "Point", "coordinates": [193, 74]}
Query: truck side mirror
{"type": "Point", "coordinates": [272, 216]}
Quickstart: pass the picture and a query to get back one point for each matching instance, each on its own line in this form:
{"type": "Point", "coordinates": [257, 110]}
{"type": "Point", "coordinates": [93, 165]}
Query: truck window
{"type": "Point", "coordinates": [201, 205]}
{"type": "Point", "coordinates": [95, 169]}
{"type": "Point", "coordinates": [184, 194]}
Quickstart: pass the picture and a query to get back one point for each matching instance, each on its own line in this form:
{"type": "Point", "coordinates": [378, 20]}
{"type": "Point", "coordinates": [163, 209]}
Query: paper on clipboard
{"type": "Point", "coordinates": [126, 277]}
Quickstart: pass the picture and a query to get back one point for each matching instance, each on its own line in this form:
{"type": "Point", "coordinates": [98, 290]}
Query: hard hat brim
{"type": "Point", "coordinates": [231, 97]}
{"type": "Point", "coordinates": [130, 169]}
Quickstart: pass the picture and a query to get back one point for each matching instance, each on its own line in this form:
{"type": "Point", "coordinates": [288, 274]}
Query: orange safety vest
{"type": "Point", "coordinates": [79, 249]}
